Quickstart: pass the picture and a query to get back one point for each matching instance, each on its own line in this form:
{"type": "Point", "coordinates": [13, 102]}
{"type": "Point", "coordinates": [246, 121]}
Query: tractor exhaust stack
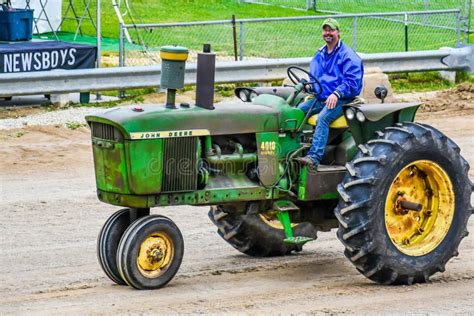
{"type": "Point", "coordinates": [206, 69]}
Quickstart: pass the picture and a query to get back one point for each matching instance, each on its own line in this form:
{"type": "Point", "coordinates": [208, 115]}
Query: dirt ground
{"type": "Point", "coordinates": [51, 218]}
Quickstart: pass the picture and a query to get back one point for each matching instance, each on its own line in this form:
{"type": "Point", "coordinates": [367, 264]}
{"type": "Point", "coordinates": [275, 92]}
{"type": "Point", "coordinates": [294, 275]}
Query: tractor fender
{"type": "Point", "coordinates": [376, 117]}
{"type": "Point", "coordinates": [375, 112]}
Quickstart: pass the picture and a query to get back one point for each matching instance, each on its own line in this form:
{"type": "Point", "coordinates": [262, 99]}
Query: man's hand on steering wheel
{"type": "Point", "coordinates": [312, 87]}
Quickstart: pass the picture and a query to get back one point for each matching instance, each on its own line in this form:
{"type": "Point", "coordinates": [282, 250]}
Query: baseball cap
{"type": "Point", "coordinates": [332, 23]}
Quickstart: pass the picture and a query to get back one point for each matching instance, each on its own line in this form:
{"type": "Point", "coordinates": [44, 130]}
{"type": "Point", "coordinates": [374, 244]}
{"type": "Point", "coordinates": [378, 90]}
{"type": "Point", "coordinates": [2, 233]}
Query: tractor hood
{"type": "Point", "coordinates": [226, 118]}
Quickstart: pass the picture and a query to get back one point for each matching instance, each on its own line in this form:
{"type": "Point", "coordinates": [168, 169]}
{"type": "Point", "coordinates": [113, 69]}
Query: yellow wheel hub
{"type": "Point", "coordinates": [155, 255]}
{"type": "Point", "coordinates": [419, 208]}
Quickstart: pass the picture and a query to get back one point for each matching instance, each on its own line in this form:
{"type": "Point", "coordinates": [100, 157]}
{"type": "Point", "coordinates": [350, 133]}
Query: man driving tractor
{"type": "Point", "coordinates": [339, 70]}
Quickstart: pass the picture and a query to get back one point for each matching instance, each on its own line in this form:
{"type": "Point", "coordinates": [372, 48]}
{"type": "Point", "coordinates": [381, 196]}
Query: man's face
{"type": "Point", "coordinates": [330, 35]}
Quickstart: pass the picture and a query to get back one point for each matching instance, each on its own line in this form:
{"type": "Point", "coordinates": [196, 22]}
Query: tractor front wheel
{"type": "Point", "coordinates": [256, 232]}
{"type": "Point", "coordinates": [404, 204]}
{"type": "Point", "coordinates": [109, 238]}
{"type": "Point", "coordinates": [150, 252]}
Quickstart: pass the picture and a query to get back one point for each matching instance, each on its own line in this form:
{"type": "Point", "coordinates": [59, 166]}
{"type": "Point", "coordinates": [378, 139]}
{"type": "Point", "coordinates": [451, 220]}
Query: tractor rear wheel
{"type": "Point", "coordinates": [257, 232]}
{"type": "Point", "coordinates": [404, 204]}
{"type": "Point", "coordinates": [109, 238]}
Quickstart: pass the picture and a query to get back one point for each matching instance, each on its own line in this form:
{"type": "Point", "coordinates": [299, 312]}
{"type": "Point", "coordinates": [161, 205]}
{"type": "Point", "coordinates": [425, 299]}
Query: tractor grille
{"type": "Point", "coordinates": [180, 164]}
{"type": "Point", "coordinates": [105, 131]}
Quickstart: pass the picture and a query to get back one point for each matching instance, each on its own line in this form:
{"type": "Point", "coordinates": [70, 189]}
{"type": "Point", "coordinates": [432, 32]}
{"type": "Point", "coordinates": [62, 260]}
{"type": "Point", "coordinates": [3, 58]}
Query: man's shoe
{"type": "Point", "coordinates": [306, 161]}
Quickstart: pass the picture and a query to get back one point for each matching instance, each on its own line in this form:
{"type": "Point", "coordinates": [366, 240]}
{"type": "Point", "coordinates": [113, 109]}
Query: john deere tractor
{"type": "Point", "coordinates": [398, 191]}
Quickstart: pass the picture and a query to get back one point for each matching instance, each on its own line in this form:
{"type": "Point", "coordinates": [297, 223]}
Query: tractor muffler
{"type": "Point", "coordinates": [205, 78]}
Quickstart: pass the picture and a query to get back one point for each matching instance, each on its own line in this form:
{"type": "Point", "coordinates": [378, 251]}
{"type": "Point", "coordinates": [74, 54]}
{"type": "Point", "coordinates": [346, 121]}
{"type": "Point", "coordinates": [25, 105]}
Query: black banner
{"type": "Point", "coordinates": [45, 55]}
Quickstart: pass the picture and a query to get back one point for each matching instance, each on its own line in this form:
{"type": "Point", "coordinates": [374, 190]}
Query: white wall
{"type": "Point", "coordinates": [53, 11]}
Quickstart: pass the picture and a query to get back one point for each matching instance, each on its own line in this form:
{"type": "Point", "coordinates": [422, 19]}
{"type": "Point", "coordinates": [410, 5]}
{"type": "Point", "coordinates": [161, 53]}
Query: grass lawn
{"type": "Point", "coordinates": [423, 81]}
{"type": "Point", "coordinates": [162, 11]}
{"type": "Point", "coordinates": [387, 6]}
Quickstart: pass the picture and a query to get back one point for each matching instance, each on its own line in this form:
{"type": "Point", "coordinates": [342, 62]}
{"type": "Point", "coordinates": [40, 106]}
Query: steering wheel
{"type": "Point", "coordinates": [308, 86]}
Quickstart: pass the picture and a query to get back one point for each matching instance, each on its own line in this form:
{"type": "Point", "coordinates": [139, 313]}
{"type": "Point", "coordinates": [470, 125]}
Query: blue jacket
{"type": "Point", "coordinates": [339, 72]}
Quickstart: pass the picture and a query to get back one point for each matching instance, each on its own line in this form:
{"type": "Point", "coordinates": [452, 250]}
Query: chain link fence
{"type": "Point", "coordinates": [360, 6]}
{"type": "Point", "coordinates": [292, 37]}
{"type": "Point", "coordinates": [366, 6]}
{"type": "Point", "coordinates": [294, 4]}
{"type": "Point", "coordinates": [147, 40]}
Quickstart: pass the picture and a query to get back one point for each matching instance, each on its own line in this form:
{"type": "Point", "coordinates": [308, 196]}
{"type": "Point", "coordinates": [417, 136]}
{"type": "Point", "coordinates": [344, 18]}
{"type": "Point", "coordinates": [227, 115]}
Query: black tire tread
{"type": "Point", "coordinates": [127, 242]}
{"type": "Point", "coordinates": [104, 231]}
{"type": "Point", "coordinates": [249, 235]}
{"type": "Point", "coordinates": [358, 191]}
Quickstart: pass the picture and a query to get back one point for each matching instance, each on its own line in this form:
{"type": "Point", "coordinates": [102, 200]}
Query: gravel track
{"type": "Point", "coordinates": [59, 117]}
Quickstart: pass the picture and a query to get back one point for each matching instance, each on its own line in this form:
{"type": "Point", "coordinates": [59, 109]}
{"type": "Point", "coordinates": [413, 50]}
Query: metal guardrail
{"type": "Point", "coordinates": [444, 59]}
{"type": "Point", "coordinates": [85, 80]}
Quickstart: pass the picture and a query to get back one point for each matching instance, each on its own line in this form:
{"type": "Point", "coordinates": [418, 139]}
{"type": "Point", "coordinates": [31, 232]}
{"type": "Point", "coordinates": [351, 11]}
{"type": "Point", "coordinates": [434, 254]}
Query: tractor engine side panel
{"type": "Point", "coordinates": [145, 165]}
{"type": "Point", "coordinates": [268, 150]}
{"type": "Point", "coordinates": [110, 166]}
{"type": "Point", "coordinates": [163, 165]}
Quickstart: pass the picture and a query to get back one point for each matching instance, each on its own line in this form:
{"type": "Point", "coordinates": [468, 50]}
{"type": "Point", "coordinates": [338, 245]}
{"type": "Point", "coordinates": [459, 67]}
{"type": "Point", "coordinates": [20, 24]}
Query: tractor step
{"type": "Point", "coordinates": [299, 240]}
{"type": "Point", "coordinates": [283, 208]}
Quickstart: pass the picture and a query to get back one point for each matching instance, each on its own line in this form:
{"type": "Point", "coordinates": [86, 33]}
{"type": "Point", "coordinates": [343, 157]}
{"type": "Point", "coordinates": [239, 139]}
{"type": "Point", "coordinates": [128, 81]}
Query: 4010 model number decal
{"type": "Point", "coordinates": [268, 148]}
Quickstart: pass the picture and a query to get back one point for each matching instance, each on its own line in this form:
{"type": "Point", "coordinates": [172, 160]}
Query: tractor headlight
{"type": "Point", "coordinates": [350, 114]}
{"type": "Point", "coordinates": [360, 116]}
{"type": "Point", "coordinates": [253, 95]}
{"type": "Point", "coordinates": [244, 95]}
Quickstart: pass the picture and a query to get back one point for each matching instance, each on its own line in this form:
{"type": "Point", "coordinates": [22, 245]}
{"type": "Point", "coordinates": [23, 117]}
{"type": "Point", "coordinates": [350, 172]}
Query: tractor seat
{"type": "Point", "coordinates": [340, 122]}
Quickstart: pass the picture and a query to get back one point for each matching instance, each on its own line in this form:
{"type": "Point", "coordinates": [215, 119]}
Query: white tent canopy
{"type": "Point", "coordinates": [44, 11]}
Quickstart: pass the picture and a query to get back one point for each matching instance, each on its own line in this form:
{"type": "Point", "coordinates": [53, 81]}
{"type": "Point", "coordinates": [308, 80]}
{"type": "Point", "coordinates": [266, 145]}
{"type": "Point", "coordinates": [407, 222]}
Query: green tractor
{"type": "Point", "coordinates": [397, 191]}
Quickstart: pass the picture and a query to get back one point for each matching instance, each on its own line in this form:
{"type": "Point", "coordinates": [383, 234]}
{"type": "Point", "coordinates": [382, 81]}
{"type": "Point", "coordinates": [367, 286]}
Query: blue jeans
{"type": "Point", "coordinates": [325, 118]}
